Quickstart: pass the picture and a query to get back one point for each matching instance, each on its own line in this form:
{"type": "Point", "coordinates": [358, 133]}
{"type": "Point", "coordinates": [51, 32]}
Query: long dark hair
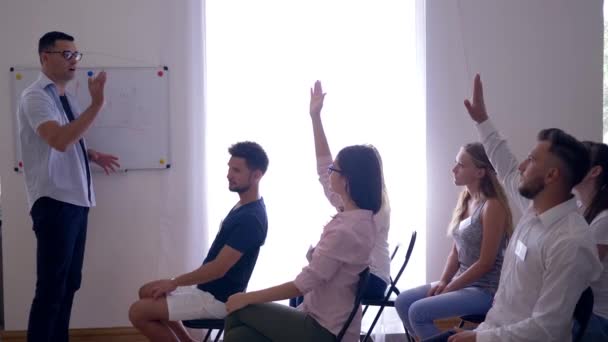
{"type": "Point", "coordinates": [360, 165]}
{"type": "Point", "coordinates": [598, 153]}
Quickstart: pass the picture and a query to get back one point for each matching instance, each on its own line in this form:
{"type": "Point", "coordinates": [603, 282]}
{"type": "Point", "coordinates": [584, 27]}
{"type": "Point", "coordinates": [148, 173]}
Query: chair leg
{"type": "Point", "coordinates": [364, 310]}
{"type": "Point", "coordinates": [371, 328]}
{"type": "Point", "coordinates": [219, 333]}
{"type": "Point", "coordinates": [208, 335]}
{"type": "Point", "coordinates": [408, 336]}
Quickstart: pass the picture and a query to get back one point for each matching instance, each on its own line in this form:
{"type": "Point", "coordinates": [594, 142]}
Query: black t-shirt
{"type": "Point", "coordinates": [244, 229]}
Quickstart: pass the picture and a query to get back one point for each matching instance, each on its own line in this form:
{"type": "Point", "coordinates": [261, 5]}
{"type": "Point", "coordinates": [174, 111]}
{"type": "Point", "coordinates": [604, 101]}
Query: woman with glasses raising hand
{"type": "Point", "coordinates": [380, 267]}
{"type": "Point", "coordinates": [329, 281]}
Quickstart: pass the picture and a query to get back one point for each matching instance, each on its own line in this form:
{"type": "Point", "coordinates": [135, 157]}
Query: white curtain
{"type": "Point", "coordinates": [262, 57]}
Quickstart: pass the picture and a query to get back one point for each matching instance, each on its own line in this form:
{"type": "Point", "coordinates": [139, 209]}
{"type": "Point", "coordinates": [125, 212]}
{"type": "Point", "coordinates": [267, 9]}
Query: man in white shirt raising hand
{"type": "Point", "coordinates": [551, 257]}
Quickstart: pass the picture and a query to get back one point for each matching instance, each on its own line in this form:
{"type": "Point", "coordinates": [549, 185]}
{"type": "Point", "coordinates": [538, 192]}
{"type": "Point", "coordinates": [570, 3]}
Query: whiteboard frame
{"type": "Point", "coordinates": [94, 168]}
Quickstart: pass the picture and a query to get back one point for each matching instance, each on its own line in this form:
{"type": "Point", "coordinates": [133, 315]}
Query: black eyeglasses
{"type": "Point", "coordinates": [68, 55]}
{"type": "Point", "coordinates": [331, 168]}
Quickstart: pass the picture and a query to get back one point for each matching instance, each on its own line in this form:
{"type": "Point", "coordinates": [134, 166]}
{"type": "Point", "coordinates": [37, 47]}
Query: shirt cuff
{"type": "Point", "coordinates": [301, 284]}
{"type": "Point", "coordinates": [485, 128]}
{"type": "Point", "coordinates": [483, 336]}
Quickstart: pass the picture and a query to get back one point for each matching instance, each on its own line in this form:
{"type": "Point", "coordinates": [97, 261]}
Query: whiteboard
{"type": "Point", "coordinates": [133, 123]}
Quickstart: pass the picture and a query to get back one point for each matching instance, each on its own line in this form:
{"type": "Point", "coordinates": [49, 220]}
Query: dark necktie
{"type": "Point", "coordinates": [70, 115]}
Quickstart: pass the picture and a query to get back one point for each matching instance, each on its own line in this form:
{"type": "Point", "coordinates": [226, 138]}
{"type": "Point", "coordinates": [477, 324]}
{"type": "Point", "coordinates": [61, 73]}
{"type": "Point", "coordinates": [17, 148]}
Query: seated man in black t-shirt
{"type": "Point", "coordinates": [227, 267]}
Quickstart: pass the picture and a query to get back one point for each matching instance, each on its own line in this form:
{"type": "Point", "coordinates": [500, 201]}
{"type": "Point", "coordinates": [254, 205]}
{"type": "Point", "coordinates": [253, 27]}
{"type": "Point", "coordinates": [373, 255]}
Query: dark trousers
{"type": "Point", "coordinates": [375, 289]}
{"type": "Point", "coordinates": [61, 230]}
{"type": "Point", "coordinates": [268, 322]}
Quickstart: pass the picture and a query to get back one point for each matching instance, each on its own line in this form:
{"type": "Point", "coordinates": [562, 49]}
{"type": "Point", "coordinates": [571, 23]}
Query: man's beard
{"type": "Point", "coordinates": [533, 188]}
{"type": "Point", "coordinates": [240, 189]}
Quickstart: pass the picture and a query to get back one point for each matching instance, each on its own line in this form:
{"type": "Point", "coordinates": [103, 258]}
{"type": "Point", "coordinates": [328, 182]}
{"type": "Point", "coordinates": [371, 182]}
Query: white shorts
{"type": "Point", "coordinates": [188, 302]}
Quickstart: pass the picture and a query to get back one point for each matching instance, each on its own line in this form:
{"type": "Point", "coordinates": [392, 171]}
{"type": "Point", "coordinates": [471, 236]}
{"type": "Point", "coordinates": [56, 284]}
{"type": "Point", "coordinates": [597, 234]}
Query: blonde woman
{"type": "Point", "coordinates": [481, 225]}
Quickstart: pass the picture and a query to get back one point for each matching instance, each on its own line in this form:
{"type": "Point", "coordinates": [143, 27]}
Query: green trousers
{"type": "Point", "coordinates": [274, 322]}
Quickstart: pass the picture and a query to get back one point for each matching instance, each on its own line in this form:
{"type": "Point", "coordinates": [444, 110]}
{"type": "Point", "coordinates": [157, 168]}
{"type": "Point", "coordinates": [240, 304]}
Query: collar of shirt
{"type": "Point", "coordinates": [43, 81]}
{"type": "Point", "coordinates": [554, 214]}
{"type": "Point", "coordinates": [600, 216]}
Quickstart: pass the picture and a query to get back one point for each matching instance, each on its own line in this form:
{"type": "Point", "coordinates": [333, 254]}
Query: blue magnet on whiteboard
{"type": "Point", "coordinates": [90, 73]}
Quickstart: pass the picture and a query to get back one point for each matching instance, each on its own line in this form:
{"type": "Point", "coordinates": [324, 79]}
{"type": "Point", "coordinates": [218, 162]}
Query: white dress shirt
{"type": "Point", "coordinates": [550, 260]}
{"type": "Point", "coordinates": [49, 172]}
{"type": "Point", "coordinates": [599, 227]}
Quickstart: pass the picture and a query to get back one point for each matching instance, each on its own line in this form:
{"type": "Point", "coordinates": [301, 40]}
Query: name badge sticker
{"type": "Point", "coordinates": [521, 250]}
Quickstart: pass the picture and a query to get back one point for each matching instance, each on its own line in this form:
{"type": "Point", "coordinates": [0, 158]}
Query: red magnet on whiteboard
{"type": "Point", "coordinates": [20, 164]}
{"type": "Point", "coordinates": [160, 73]}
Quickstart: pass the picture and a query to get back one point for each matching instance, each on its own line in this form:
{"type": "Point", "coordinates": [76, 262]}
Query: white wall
{"type": "Point", "coordinates": [541, 64]}
{"type": "Point", "coordinates": [145, 223]}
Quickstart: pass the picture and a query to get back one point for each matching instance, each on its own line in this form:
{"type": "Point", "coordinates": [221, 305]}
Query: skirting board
{"type": "Point", "coordinates": [85, 335]}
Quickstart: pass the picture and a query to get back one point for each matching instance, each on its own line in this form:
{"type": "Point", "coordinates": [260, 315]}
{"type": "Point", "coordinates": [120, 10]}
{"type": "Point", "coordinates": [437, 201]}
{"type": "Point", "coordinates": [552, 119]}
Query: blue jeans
{"type": "Point", "coordinates": [597, 329]}
{"type": "Point", "coordinates": [417, 311]}
{"type": "Point", "coordinates": [61, 231]}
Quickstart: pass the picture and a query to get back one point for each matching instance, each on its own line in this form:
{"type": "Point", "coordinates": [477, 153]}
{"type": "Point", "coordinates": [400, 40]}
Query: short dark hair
{"type": "Point", "coordinates": [361, 167]}
{"type": "Point", "coordinates": [48, 40]}
{"type": "Point", "coordinates": [570, 151]}
{"type": "Point", "coordinates": [252, 152]}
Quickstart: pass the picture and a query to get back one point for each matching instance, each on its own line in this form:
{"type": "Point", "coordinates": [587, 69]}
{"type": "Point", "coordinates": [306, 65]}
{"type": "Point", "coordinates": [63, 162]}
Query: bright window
{"type": "Point", "coordinates": [262, 57]}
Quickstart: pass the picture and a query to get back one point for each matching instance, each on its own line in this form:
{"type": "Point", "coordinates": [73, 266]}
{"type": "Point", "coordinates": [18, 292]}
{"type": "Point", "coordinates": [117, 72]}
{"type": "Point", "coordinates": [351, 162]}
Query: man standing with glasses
{"type": "Point", "coordinates": [58, 181]}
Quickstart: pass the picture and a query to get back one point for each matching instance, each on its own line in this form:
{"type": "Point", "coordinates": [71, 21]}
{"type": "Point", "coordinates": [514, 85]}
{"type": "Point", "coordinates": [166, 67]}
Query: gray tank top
{"type": "Point", "coordinates": [468, 237]}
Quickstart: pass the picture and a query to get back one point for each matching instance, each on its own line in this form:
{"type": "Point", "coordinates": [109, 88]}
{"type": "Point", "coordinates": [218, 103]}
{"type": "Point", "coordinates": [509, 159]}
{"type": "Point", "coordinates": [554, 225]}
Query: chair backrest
{"type": "Point", "coordinates": [582, 312]}
{"type": "Point", "coordinates": [361, 285]}
{"type": "Point", "coordinates": [395, 251]}
{"type": "Point", "coordinates": [393, 288]}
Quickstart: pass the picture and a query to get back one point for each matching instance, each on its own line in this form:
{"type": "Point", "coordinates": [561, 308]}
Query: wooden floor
{"type": "Point", "coordinates": [131, 335]}
{"type": "Point", "coordinates": [85, 335]}
{"type": "Point", "coordinates": [445, 324]}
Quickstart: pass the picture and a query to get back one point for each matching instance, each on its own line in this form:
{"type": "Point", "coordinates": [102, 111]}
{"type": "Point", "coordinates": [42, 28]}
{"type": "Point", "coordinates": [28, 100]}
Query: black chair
{"type": "Point", "coordinates": [361, 285]}
{"type": "Point", "coordinates": [582, 313]}
{"type": "Point", "coordinates": [397, 246]}
{"type": "Point", "coordinates": [387, 301]}
{"type": "Point", "coordinates": [218, 324]}
{"type": "Point", "coordinates": [476, 319]}
{"type": "Point", "coordinates": [209, 324]}
{"type": "Point", "coordinates": [395, 252]}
